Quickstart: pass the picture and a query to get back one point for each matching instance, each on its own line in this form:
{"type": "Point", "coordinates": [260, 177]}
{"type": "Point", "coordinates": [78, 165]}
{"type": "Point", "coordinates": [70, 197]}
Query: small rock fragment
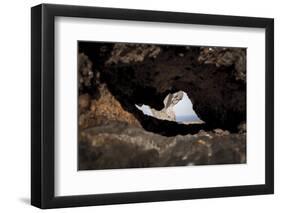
{"type": "Point", "coordinates": [242, 128]}
{"type": "Point", "coordinates": [84, 102]}
{"type": "Point", "coordinates": [221, 132]}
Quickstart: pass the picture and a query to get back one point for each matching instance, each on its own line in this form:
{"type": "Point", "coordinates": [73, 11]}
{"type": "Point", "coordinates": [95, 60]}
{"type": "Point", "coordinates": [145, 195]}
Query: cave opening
{"type": "Point", "coordinates": [131, 95]}
{"type": "Point", "coordinates": [178, 108]}
{"type": "Point", "coordinates": [177, 116]}
{"type": "Point", "coordinates": [136, 80]}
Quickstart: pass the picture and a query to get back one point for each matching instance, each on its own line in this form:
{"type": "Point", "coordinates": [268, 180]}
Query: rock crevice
{"type": "Point", "coordinates": [217, 94]}
{"type": "Point", "coordinates": [114, 78]}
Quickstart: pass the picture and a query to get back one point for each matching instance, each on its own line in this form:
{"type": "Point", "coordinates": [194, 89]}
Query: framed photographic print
{"type": "Point", "coordinates": [139, 106]}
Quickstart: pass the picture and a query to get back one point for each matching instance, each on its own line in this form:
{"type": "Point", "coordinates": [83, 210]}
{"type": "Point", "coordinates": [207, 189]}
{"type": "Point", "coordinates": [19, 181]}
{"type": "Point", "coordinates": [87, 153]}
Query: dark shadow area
{"type": "Point", "coordinates": [162, 127]}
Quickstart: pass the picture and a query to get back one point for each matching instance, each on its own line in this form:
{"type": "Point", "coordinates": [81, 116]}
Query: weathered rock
{"type": "Point", "coordinates": [242, 128]}
{"type": "Point", "coordinates": [85, 71]}
{"type": "Point", "coordinates": [103, 110]}
{"type": "Point", "coordinates": [84, 102]}
{"type": "Point", "coordinates": [128, 53]}
{"type": "Point", "coordinates": [221, 132]}
{"type": "Point", "coordinates": [119, 145]}
{"type": "Point", "coordinates": [226, 57]}
{"type": "Point", "coordinates": [113, 133]}
{"type": "Point", "coordinates": [217, 88]}
{"type": "Point", "coordinates": [167, 113]}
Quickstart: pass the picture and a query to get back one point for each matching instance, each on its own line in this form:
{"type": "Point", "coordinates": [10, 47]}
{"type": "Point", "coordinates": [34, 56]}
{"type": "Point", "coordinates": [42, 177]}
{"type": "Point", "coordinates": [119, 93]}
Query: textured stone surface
{"type": "Point", "coordinates": [121, 146]}
{"type": "Point", "coordinates": [85, 71]}
{"type": "Point", "coordinates": [102, 110]}
{"type": "Point", "coordinates": [131, 53]}
{"type": "Point", "coordinates": [217, 88]}
{"type": "Point", "coordinates": [226, 57]}
{"type": "Point", "coordinates": [114, 78]}
{"type": "Point", "coordinates": [167, 113]}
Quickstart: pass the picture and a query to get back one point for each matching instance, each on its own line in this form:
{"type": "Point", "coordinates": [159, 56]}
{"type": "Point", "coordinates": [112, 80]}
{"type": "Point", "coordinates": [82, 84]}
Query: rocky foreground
{"type": "Point", "coordinates": [123, 146]}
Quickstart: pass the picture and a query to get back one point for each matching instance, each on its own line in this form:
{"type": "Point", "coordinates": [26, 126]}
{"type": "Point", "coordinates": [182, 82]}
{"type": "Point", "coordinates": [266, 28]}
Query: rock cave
{"type": "Point", "coordinates": [117, 79]}
{"type": "Point", "coordinates": [178, 107]}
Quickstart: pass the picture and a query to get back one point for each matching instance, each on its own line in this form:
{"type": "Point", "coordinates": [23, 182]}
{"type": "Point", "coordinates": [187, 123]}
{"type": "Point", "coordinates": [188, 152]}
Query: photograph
{"type": "Point", "coordinates": [121, 97]}
{"type": "Point", "coordinates": [143, 105]}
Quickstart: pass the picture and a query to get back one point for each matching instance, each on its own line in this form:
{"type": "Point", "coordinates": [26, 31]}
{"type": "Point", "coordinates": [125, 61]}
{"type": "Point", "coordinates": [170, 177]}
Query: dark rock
{"type": "Point", "coordinates": [103, 110]}
{"type": "Point", "coordinates": [122, 146]}
{"type": "Point", "coordinates": [114, 78]}
{"type": "Point", "coordinates": [221, 132]}
{"type": "Point", "coordinates": [217, 88]}
{"type": "Point", "coordinates": [226, 57]}
{"type": "Point", "coordinates": [132, 53]}
{"type": "Point", "coordinates": [84, 102]}
{"type": "Point", "coordinates": [242, 128]}
{"type": "Point", "coordinates": [85, 71]}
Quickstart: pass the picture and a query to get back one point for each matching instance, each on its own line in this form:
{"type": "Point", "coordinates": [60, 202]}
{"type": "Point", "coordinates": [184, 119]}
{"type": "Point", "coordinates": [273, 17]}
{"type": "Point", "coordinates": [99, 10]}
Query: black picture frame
{"type": "Point", "coordinates": [43, 111]}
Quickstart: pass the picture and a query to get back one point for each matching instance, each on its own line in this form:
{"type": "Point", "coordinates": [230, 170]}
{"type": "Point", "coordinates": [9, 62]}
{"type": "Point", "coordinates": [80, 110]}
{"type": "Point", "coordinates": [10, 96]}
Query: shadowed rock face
{"type": "Point", "coordinates": [213, 78]}
{"type": "Point", "coordinates": [122, 146]}
{"type": "Point", "coordinates": [216, 88]}
{"type": "Point", "coordinates": [167, 113]}
{"type": "Point", "coordinates": [114, 78]}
